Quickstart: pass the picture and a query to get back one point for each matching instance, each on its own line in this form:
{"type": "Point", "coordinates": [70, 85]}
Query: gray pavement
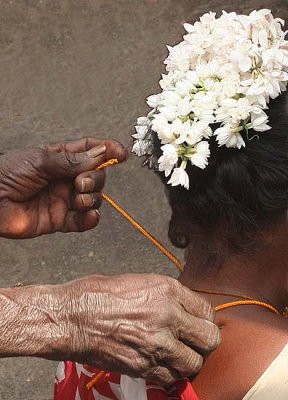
{"type": "Point", "coordinates": [70, 68]}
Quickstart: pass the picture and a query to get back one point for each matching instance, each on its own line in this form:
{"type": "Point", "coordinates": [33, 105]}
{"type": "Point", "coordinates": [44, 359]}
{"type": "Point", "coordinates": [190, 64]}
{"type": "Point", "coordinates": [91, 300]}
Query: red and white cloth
{"type": "Point", "coordinates": [72, 378]}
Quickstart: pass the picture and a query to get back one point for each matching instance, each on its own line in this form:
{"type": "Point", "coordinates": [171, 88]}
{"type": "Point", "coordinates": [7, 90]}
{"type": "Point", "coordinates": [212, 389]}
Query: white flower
{"type": "Point", "coordinates": [184, 106]}
{"type": "Point", "coordinates": [178, 58]}
{"type": "Point", "coordinates": [268, 84]}
{"type": "Point", "coordinates": [203, 107]}
{"type": "Point", "coordinates": [170, 113]}
{"type": "Point", "coordinates": [198, 131]}
{"type": "Point", "coordinates": [153, 101]}
{"type": "Point", "coordinates": [159, 123]}
{"type": "Point", "coordinates": [184, 87]}
{"type": "Point", "coordinates": [259, 122]}
{"type": "Point", "coordinates": [242, 57]}
{"type": "Point", "coordinates": [142, 147]}
{"type": "Point", "coordinates": [258, 101]}
{"type": "Point", "coordinates": [170, 98]}
{"type": "Point", "coordinates": [143, 121]}
{"type": "Point", "coordinates": [169, 80]}
{"type": "Point", "coordinates": [169, 158]}
{"type": "Point", "coordinates": [230, 82]}
{"type": "Point", "coordinates": [141, 130]}
{"type": "Point", "coordinates": [201, 153]}
{"type": "Point", "coordinates": [229, 136]}
{"type": "Point", "coordinates": [166, 83]}
{"type": "Point", "coordinates": [180, 130]}
{"type": "Point", "coordinates": [189, 28]}
{"type": "Point", "coordinates": [275, 57]}
{"type": "Point", "coordinates": [235, 111]}
{"type": "Point", "coordinates": [192, 77]}
{"type": "Point", "coordinates": [161, 126]}
{"type": "Point", "coordinates": [208, 19]}
{"type": "Point", "coordinates": [179, 177]}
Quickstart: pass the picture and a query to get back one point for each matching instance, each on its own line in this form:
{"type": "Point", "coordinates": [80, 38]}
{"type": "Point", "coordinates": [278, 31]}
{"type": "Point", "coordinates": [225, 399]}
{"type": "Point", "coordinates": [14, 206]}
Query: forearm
{"type": "Point", "coordinates": [32, 322]}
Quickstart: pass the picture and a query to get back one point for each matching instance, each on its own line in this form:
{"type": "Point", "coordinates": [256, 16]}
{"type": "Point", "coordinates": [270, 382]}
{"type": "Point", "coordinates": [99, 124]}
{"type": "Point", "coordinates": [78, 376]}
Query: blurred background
{"type": "Point", "coordinates": [72, 68]}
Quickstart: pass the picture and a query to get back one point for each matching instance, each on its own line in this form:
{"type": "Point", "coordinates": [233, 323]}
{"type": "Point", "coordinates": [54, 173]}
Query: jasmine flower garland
{"type": "Point", "coordinates": [225, 72]}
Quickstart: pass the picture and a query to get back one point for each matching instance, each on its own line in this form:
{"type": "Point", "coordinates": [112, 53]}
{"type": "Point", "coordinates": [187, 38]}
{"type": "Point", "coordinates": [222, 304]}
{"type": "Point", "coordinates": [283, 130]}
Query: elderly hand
{"type": "Point", "coordinates": [54, 187]}
{"type": "Point", "coordinates": [142, 325]}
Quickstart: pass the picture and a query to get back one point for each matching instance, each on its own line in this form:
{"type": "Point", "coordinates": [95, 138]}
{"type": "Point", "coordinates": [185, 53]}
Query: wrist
{"type": "Point", "coordinates": [32, 322]}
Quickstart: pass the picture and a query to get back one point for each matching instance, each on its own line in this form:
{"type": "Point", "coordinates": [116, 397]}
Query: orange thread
{"type": "Point", "coordinates": [95, 379]}
{"type": "Point", "coordinates": [143, 231]}
{"type": "Point", "coordinates": [247, 302]}
{"type": "Point", "coordinates": [107, 163]}
{"type": "Point", "coordinates": [136, 225]}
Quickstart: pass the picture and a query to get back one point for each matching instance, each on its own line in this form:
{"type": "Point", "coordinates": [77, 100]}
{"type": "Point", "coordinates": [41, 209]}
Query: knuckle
{"type": "Point", "coordinates": [195, 362]}
{"type": "Point", "coordinates": [164, 313]}
{"type": "Point", "coordinates": [168, 318]}
{"type": "Point", "coordinates": [214, 337]}
{"type": "Point", "coordinates": [71, 159]}
{"type": "Point", "coordinates": [161, 376]}
{"type": "Point", "coordinates": [169, 381]}
{"type": "Point", "coordinates": [160, 347]}
{"type": "Point", "coordinates": [171, 285]}
{"type": "Point", "coordinates": [208, 311]}
{"type": "Point", "coordinates": [141, 366]}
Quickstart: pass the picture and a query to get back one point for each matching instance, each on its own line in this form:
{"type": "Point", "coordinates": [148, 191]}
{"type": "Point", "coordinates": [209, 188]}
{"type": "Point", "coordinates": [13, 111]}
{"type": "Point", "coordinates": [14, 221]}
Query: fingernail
{"type": "Point", "coordinates": [97, 212]}
{"type": "Point", "coordinates": [87, 185]}
{"type": "Point", "coordinates": [96, 151]}
{"type": "Point", "coordinates": [87, 200]}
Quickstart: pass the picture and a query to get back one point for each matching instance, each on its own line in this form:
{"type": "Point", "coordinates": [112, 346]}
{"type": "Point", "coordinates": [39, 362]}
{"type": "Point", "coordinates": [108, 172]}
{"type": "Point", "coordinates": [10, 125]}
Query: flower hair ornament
{"type": "Point", "coordinates": [222, 76]}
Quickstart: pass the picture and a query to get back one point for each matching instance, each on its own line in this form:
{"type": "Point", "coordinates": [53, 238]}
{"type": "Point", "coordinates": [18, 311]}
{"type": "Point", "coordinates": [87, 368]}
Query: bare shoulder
{"type": "Point", "coordinates": [250, 343]}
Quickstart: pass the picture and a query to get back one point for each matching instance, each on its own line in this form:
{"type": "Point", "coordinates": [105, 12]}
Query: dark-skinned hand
{"type": "Point", "coordinates": [53, 187]}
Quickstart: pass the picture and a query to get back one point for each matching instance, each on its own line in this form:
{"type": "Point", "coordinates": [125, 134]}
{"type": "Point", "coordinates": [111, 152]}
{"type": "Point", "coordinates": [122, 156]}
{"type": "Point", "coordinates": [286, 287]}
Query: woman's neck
{"type": "Point", "coordinates": [262, 276]}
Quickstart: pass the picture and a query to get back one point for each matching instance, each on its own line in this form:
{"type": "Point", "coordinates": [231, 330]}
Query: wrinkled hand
{"type": "Point", "coordinates": [54, 187]}
{"type": "Point", "coordinates": [142, 325]}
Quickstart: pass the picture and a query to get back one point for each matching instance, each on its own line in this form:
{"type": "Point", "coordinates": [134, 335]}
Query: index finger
{"type": "Point", "coordinates": [114, 149]}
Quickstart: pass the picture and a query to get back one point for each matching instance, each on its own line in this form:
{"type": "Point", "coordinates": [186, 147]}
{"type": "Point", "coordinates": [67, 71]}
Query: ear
{"type": "Point", "coordinates": [178, 232]}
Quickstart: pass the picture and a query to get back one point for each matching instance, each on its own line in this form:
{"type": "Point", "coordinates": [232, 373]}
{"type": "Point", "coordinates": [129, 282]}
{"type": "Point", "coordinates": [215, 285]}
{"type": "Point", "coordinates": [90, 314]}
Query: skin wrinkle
{"type": "Point", "coordinates": [87, 147]}
{"type": "Point", "coordinates": [49, 211]}
{"type": "Point", "coordinates": [11, 179]}
{"type": "Point", "coordinates": [71, 158]}
{"type": "Point", "coordinates": [12, 307]}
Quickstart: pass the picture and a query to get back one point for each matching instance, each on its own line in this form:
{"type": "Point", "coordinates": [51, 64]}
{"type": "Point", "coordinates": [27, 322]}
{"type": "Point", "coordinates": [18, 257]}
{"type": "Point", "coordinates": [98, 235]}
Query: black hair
{"type": "Point", "coordinates": [241, 192]}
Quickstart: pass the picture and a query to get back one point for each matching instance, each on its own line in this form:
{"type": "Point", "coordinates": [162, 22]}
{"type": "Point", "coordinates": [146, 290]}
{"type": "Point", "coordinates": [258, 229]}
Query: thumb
{"type": "Point", "coordinates": [66, 164]}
